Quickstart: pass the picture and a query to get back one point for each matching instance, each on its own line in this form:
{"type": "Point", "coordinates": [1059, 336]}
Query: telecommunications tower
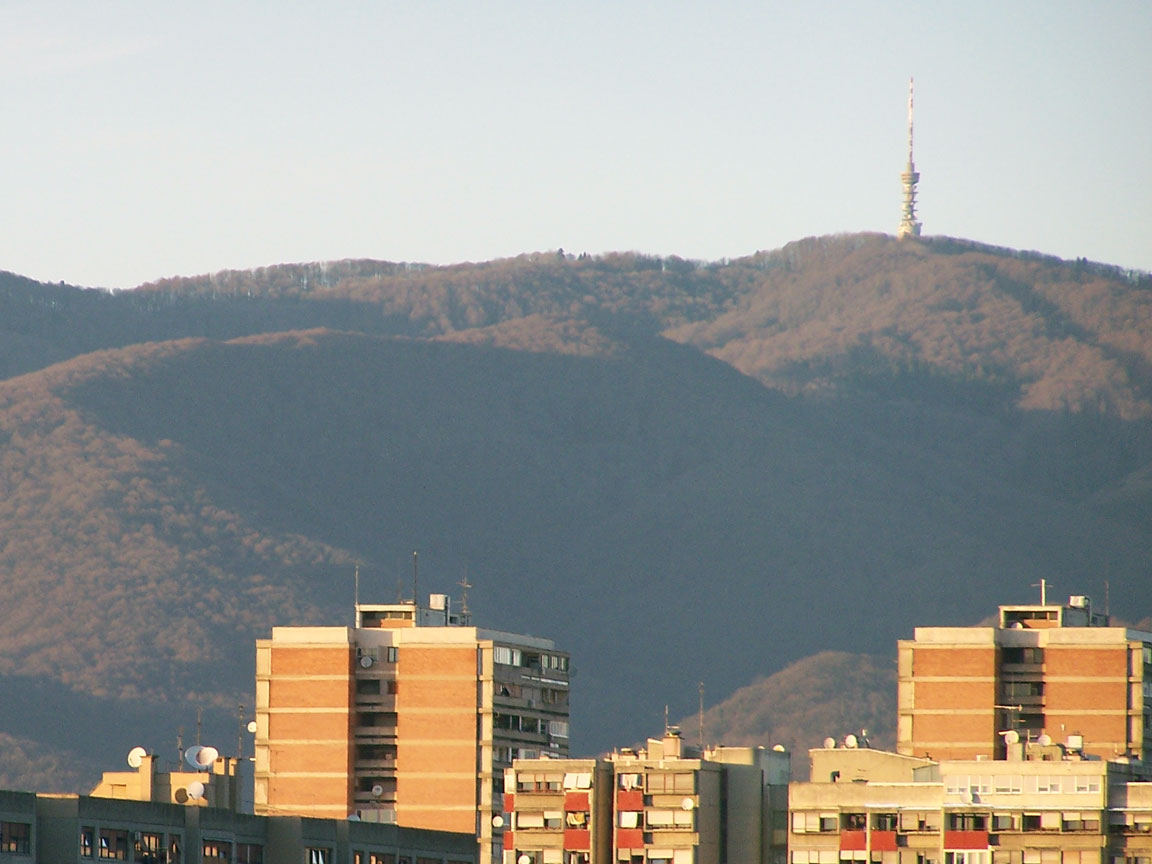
{"type": "Point", "coordinates": [909, 227]}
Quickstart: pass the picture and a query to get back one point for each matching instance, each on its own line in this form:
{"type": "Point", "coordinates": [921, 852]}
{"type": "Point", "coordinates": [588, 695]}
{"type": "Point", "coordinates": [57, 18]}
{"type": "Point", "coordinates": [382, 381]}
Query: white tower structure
{"type": "Point", "coordinates": [909, 227]}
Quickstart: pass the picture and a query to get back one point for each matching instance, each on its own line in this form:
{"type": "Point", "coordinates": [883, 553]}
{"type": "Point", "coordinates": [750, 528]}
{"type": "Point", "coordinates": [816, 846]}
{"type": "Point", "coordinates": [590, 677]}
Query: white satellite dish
{"type": "Point", "coordinates": [523, 859]}
{"type": "Point", "coordinates": [829, 743]}
{"type": "Point", "coordinates": [196, 790]}
{"type": "Point", "coordinates": [1044, 740]}
{"type": "Point", "coordinates": [353, 817]}
{"type": "Point", "coordinates": [252, 726]}
{"type": "Point", "coordinates": [497, 821]}
{"type": "Point", "coordinates": [779, 748]}
{"type": "Point", "coordinates": [366, 661]}
{"type": "Point", "coordinates": [1011, 737]}
{"type": "Point", "coordinates": [687, 804]}
{"type": "Point", "coordinates": [377, 790]}
{"type": "Point", "coordinates": [136, 757]}
{"type": "Point", "coordinates": [201, 758]}
{"type": "Point", "coordinates": [850, 742]}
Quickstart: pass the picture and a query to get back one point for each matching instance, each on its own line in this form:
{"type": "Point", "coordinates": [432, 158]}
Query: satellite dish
{"type": "Point", "coordinates": [366, 661]}
{"type": "Point", "coordinates": [377, 790]}
{"type": "Point", "coordinates": [779, 748]}
{"type": "Point", "coordinates": [687, 804]}
{"type": "Point", "coordinates": [252, 726]}
{"type": "Point", "coordinates": [353, 817]}
{"type": "Point", "coordinates": [829, 743]}
{"type": "Point", "coordinates": [1011, 737]}
{"type": "Point", "coordinates": [204, 757]}
{"type": "Point", "coordinates": [1044, 740]}
{"type": "Point", "coordinates": [196, 790]}
{"type": "Point", "coordinates": [497, 821]}
{"type": "Point", "coordinates": [851, 743]}
{"type": "Point", "coordinates": [191, 754]}
{"type": "Point", "coordinates": [523, 859]}
{"type": "Point", "coordinates": [136, 757]}
{"type": "Point", "coordinates": [181, 795]}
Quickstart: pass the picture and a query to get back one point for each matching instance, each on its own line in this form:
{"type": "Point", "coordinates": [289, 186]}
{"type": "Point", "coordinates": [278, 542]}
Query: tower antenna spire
{"type": "Point", "coordinates": [909, 226]}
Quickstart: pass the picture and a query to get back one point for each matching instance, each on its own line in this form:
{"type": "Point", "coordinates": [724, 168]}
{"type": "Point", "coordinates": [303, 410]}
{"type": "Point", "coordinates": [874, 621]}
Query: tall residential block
{"type": "Point", "coordinates": [1046, 672]}
{"type": "Point", "coordinates": [411, 716]}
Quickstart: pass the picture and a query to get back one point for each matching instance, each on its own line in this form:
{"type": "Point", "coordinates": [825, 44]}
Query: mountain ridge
{"type": "Point", "coordinates": [624, 453]}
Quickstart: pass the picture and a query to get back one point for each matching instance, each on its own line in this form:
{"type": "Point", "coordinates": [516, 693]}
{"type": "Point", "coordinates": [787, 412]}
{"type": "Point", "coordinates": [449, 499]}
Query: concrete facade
{"type": "Point", "coordinates": [1048, 806]}
{"type": "Point", "coordinates": [666, 804]}
{"type": "Point", "coordinates": [1058, 671]}
{"type": "Point", "coordinates": [62, 829]}
{"type": "Point", "coordinates": [409, 717]}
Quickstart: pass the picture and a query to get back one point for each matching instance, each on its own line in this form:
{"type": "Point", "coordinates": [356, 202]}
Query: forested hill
{"type": "Point", "coordinates": [680, 471]}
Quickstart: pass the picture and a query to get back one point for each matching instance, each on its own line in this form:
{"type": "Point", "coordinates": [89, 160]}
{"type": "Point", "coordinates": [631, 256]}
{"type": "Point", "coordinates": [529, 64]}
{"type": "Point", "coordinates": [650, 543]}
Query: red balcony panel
{"type": "Point", "coordinates": [508, 840]}
{"type": "Point", "coordinates": [575, 800]}
{"type": "Point", "coordinates": [578, 839]}
{"type": "Point", "coordinates": [884, 841]}
{"type": "Point", "coordinates": [509, 802]}
{"type": "Point", "coordinates": [629, 799]}
{"type": "Point", "coordinates": [965, 839]}
{"type": "Point", "coordinates": [856, 841]}
{"type": "Point", "coordinates": [626, 838]}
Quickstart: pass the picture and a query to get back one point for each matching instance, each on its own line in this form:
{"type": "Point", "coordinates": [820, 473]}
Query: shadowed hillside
{"type": "Point", "coordinates": [828, 695]}
{"type": "Point", "coordinates": [681, 472]}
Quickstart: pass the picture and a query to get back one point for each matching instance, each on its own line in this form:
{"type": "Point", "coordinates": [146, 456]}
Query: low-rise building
{"type": "Point", "coordinates": [1044, 804]}
{"type": "Point", "coordinates": [79, 829]}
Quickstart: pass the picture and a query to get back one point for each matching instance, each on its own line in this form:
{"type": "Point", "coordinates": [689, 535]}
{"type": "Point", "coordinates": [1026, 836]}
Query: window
{"type": "Point", "coordinates": [1049, 784]}
{"type": "Point", "coordinates": [507, 656]}
{"type": "Point", "coordinates": [113, 845]}
{"type": "Point", "coordinates": [884, 822]}
{"type": "Point", "coordinates": [86, 835]}
{"type": "Point", "coordinates": [553, 819]}
{"type": "Point", "coordinates": [390, 654]}
{"type": "Point", "coordinates": [218, 850]}
{"type": "Point", "coordinates": [854, 822]}
{"type": "Point", "coordinates": [250, 853]}
{"type": "Point", "coordinates": [629, 781]}
{"type": "Point", "coordinates": [1005, 822]}
{"type": "Point", "coordinates": [576, 858]}
{"type": "Point", "coordinates": [682, 782]}
{"type": "Point", "coordinates": [149, 847]}
{"type": "Point", "coordinates": [968, 856]}
{"type": "Point", "coordinates": [14, 837]}
{"type": "Point", "coordinates": [1008, 783]}
{"type": "Point", "coordinates": [1087, 784]}
{"type": "Point", "coordinates": [367, 687]}
{"type": "Point", "coordinates": [967, 821]}
{"type": "Point", "coordinates": [558, 728]}
{"type": "Point", "coordinates": [381, 858]}
{"type": "Point", "coordinates": [1023, 655]}
{"type": "Point", "coordinates": [174, 849]}
{"type": "Point", "coordinates": [317, 855]}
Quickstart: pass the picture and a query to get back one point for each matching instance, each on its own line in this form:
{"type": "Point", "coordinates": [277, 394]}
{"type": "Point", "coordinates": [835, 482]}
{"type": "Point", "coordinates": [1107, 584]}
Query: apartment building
{"type": "Point", "coordinates": [1051, 671]}
{"type": "Point", "coordinates": [80, 829]}
{"type": "Point", "coordinates": [1045, 804]}
{"type": "Point", "coordinates": [410, 716]}
{"type": "Point", "coordinates": [667, 803]}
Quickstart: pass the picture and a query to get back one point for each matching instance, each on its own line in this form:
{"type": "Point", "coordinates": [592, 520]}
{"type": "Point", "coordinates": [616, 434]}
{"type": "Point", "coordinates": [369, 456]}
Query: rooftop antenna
{"type": "Point", "coordinates": [701, 714]}
{"type": "Point", "coordinates": [1043, 586]}
{"type": "Point", "coordinates": [355, 595]}
{"type": "Point", "coordinates": [1107, 602]}
{"type": "Point", "coordinates": [909, 227]}
{"type": "Point", "coordinates": [239, 733]}
{"type": "Point", "coordinates": [199, 723]}
{"type": "Point", "coordinates": [180, 745]}
{"type": "Point", "coordinates": [464, 586]}
{"type": "Point", "coordinates": [415, 585]}
{"type": "Point", "coordinates": [665, 719]}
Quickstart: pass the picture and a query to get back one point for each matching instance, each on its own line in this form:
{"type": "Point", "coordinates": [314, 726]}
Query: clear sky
{"type": "Point", "coordinates": [144, 139]}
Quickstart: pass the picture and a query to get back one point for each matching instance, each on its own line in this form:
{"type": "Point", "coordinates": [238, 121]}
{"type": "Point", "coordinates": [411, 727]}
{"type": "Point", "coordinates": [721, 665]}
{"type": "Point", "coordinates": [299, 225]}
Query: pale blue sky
{"type": "Point", "coordinates": [144, 139]}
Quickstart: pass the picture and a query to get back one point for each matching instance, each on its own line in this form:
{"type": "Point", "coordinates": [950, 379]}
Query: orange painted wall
{"type": "Point", "coordinates": [1086, 662]}
{"type": "Point", "coordinates": [311, 756]}
{"type": "Point", "coordinates": [291, 660]}
{"type": "Point", "coordinates": [307, 726]}
{"type": "Point", "coordinates": [953, 728]}
{"type": "Point", "coordinates": [1084, 695]}
{"type": "Point", "coordinates": [953, 662]}
{"type": "Point", "coordinates": [954, 694]}
{"type": "Point", "coordinates": [322, 693]}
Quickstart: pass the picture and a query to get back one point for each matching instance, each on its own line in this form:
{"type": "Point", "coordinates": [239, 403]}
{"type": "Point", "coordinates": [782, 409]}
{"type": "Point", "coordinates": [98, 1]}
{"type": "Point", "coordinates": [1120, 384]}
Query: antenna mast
{"type": "Point", "coordinates": [701, 717]}
{"type": "Point", "coordinates": [909, 227]}
{"type": "Point", "coordinates": [415, 587]}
